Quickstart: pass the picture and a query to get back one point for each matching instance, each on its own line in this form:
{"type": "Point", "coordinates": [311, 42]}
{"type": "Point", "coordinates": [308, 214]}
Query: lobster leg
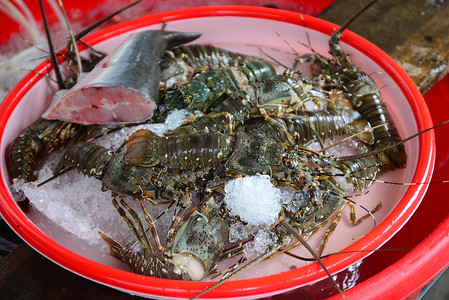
{"type": "Point", "coordinates": [328, 233]}
{"type": "Point", "coordinates": [353, 218]}
{"type": "Point", "coordinates": [152, 227]}
{"type": "Point", "coordinates": [278, 126]}
{"type": "Point", "coordinates": [228, 118]}
{"type": "Point", "coordinates": [145, 243]}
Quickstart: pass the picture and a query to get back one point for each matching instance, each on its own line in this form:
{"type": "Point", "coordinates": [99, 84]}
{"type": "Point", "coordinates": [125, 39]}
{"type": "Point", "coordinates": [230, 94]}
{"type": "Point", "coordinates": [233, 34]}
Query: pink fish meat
{"type": "Point", "coordinates": [123, 87]}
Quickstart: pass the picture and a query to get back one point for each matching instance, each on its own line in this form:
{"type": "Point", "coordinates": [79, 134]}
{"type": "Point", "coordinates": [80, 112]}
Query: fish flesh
{"type": "Point", "coordinates": [123, 87]}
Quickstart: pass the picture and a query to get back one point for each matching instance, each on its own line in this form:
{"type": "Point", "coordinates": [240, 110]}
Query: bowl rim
{"type": "Point", "coordinates": [271, 284]}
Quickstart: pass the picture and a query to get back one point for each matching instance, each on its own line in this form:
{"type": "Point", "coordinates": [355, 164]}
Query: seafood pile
{"type": "Point", "coordinates": [254, 123]}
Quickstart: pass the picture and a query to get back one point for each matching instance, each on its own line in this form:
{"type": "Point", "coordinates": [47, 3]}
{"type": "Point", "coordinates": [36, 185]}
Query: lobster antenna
{"type": "Point", "coordinates": [304, 258]}
{"type": "Point", "coordinates": [317, 258]}
{"type": "Point", "coordinates": [162, 213]}
{"type": "Point", "coordinates": [248, 265]}
{"type": "Point", "coordinates": [369, 250]}
{"type": "Point", "coordinates": [352, 136]}
{"type": "Point", "coordinates": [377, 151]}
{"type": "Point", "coordinates": [345, 252]}
{"type": "Point", "coordinates": [354, 17]}
{"type": "Point", "coordinates": [98, 23]}
{"type": "Point", "coordinates": [54, 61]}
{"type": "Point", "coordinates": [273, 59]}
{"type": "Point", "coordinates": [309, 43]}
{"type": "Point", "coordinates": [55, 176]}
{"type": "Point", "coordinates": [383, 181]}
{"type": "Point", "coordinates": [72, 38]}
{"type": "Point", "coordinates": [335, 49]}
{"type": "Point", "coordinates": [287, 43]}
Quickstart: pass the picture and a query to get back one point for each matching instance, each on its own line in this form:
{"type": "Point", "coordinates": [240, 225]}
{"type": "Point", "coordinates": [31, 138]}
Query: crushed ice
{"type": "Point", "coordinates": [254, 199]}
{"type": "Point", "coordinates": [237, 232]}
{"type": "Point", "coordinates": [260, 244]}
{"type": "Point", "coordinates": [81, 211]}
{"type": "Point", "coordinates": [174, 119]}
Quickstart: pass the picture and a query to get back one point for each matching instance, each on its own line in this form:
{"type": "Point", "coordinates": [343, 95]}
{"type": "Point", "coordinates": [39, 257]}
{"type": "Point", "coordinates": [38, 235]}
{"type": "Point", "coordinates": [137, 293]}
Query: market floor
{"type": "Point", "coordinates": [438, 289]}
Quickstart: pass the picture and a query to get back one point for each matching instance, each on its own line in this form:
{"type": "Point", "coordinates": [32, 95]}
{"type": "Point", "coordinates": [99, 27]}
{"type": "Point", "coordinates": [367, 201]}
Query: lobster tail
{"type": "Point", "coordinates": [178, 152]}
{"type": "Point", "coordinates": [89, 158]}
{"type": "Point", "coordinates": [141, 264]}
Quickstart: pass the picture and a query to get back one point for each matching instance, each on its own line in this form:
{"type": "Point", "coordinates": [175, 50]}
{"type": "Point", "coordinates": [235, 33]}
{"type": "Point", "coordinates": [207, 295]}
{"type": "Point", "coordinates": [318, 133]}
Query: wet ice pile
{"type": "Point", "coordinates": [257, 203]}
{"type": "Point", "coordinates": [73, 201]}
{"type": "Point", "coordinates": [262, 240]}
{"type": "Point", "coordinates": [254, 199]}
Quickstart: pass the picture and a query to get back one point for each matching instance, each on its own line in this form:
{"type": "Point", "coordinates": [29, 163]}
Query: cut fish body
{"type": "Point", "coordinates": [123, 87]}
